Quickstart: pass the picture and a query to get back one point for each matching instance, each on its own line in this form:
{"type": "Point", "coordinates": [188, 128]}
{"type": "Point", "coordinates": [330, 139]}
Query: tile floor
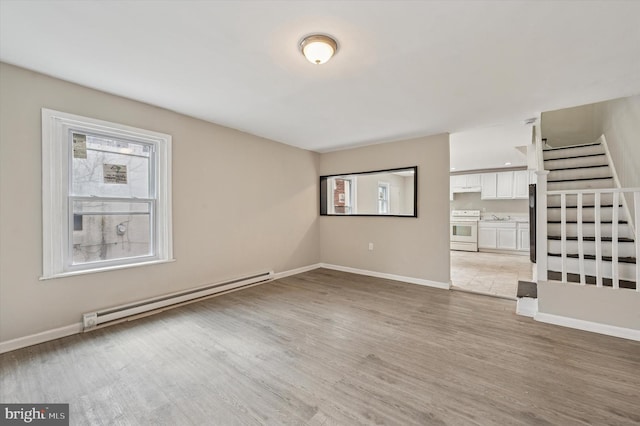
{"type": "Point", "coordinates": [489, 273]}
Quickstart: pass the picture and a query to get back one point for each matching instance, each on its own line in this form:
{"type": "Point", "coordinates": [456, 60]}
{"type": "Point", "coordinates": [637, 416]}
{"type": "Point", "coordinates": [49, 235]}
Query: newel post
{"type": "Point", "coordinates": [541, 225]}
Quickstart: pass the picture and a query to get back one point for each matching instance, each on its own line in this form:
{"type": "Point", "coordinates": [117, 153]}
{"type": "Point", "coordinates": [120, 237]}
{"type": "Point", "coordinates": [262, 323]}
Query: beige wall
{"type": "Point", "coordinates": [570, 126]}
{"type": "Point", "coordinates": [412, 247]}
{"type": "Point", "coordinates": [619, 121]}
{"type": "Point", "coordinates": [217, 233]}
{"type": "Point", "coordinates": [604, 305]}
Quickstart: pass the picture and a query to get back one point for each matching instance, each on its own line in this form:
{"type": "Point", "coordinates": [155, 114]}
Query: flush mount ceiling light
{"type": "Point", "coordinates": [318, 48]}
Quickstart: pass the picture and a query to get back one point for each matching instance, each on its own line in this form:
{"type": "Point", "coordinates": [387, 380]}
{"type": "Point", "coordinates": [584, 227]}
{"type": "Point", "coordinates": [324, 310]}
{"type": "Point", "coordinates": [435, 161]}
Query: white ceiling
{"type": "Point", "coordinates": [490, 148]}
{"type": "Point", "coordinates": [403, 69]}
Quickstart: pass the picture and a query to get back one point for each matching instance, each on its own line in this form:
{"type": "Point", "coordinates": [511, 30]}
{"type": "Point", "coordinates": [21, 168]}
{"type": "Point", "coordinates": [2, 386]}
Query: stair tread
{"type": "Point", "coordinates": [577, 168]}
{"type": "Point", "coordinates": [580, 179]}
{"type": "Point", "coordinates": [607, 239]}
{"type": "Point", "coordinates": [571, 146]}
{"type": "Point", "coordinates": [527, 289]}
{"type": "Point", "coordinates": [609, 206]}
{"type": "Point", "coordinates": [621, 259]}
{"type": "Point", "coordinates": [575, 156]}
{"type": "Point", "coordinates": [589, 279]}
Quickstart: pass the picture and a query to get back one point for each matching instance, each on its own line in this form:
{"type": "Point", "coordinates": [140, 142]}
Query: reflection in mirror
{"type": "Point", "coordinates": [377, 193]}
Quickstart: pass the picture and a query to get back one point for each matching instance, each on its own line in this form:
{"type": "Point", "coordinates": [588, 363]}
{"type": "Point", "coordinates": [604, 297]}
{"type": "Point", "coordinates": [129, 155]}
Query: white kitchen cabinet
{"type": "Point", "coordinates": [489, 186]}
{"type": "Point", "coordinates": [473, 180]}
{"type": "Point", "coordinates": [506, 238]}
{"type": "Point", "coordinates": [487, 238]}
{"type": "Point", "coordinates": [500, 235]}
{"type": "Point", "coordinates": [458, 181]}
{"type": "Point", "coordinates": [504, 185]}
{"type": "Point", "coordinates": [465, 183]}
{"type": "Point", "coordinates": [521, 184]}
{"type": "Point", "coordinates": [523, 236]}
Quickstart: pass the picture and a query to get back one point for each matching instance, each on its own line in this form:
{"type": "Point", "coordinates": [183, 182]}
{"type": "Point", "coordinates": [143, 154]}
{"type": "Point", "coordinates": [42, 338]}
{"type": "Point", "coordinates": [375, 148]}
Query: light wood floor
{"type": "Point", "coordinates": [327, 347]}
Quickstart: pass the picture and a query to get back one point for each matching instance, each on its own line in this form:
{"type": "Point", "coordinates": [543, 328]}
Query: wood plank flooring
{"type": "Point", "coordinates": [327, 347]}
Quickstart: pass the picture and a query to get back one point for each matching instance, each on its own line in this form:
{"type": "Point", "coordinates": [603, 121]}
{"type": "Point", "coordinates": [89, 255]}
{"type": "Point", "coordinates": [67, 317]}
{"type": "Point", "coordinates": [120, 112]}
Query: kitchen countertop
{"type": "Point", "coordinates": [513, 219]}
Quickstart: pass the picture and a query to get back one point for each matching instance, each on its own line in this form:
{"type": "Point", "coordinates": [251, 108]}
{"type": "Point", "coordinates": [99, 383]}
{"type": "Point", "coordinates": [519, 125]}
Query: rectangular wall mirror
{"type": "Point", "coordinates": [392, 192]}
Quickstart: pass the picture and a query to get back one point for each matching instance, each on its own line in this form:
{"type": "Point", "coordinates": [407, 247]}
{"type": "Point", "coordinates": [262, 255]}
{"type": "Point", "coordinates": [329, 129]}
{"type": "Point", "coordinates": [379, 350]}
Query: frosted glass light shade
{"type": "Point", "coordinates": [318, 49]}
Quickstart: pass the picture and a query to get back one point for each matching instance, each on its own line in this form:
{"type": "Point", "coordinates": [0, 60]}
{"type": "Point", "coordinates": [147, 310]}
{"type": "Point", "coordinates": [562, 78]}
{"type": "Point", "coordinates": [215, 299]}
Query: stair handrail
{"type": "Point", "coordinates": [592, 191]}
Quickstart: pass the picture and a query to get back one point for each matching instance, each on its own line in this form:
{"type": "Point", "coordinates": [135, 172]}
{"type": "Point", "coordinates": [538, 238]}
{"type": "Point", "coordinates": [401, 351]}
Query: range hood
{"type": "Point", "coordinates": [459, 189]}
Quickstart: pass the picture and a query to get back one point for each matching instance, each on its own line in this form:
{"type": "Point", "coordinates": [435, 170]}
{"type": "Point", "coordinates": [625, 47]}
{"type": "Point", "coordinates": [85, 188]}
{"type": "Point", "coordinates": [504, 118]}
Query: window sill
{"type": "Point", "coordinates": [105, 269]}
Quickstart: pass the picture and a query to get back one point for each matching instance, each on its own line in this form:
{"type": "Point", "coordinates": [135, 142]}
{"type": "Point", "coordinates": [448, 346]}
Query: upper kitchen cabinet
{"type": "Point", "coordinates": [521, 180]}
{"type": "Point", "coordinates": [465, 183]}
{"type": "Point", "coordinates": [505, 185]}
{"type": "Point", "coordinates": [489, 186]}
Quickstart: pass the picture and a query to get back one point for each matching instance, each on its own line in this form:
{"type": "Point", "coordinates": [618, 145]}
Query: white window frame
{"type": "Point", "coordinates": [56, 166]}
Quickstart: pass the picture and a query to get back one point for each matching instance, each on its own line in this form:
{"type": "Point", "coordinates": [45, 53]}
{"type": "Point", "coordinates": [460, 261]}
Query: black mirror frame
{"type": "Point", "coordinates": [323, 192]}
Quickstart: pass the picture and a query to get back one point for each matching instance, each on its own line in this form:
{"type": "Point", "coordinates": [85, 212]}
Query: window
{"type": "Point", "coordinates": [383, 198]}
{"type": "Point", "coordinates": [106, 195]}
{"type": "Point", "coordinates": [343, 195]}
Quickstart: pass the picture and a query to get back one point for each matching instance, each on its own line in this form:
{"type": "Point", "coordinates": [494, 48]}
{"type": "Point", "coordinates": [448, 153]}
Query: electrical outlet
{"type": "Point", "coordinates": [90, 320]}
{"type": "Point", "coordinates": [370, 246]}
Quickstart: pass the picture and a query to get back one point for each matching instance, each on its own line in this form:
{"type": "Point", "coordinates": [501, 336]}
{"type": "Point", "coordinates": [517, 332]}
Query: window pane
{"type": "Point", "coordinates": [110, 168]}
{"type": "Point", "coordinates": [111, 231]}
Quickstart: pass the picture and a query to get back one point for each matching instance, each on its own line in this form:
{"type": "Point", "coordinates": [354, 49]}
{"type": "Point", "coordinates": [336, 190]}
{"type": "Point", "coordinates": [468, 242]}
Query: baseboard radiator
{"type": "Point", "coordinates": [117, 314]}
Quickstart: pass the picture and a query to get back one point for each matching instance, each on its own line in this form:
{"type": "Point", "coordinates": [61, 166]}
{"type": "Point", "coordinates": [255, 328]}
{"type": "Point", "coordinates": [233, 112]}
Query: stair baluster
{"type": "Point", "coordinates": [598, 237]}
{"type": "Point", "coordinates": [615, 279]}
{"type": "Point", "coordinates": [583, 280]}
{"type": "Point", "coordinates": [563, 235]}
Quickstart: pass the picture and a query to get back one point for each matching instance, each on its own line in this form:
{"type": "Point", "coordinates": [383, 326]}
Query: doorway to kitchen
{"type": "Point", "coordinates": [494, 256]}
{"type": "Point", "coordinates": [491, 170]}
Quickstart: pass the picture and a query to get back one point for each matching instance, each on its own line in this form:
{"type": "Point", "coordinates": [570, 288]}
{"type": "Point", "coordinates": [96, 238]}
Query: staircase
{"type": "Point", "coordinates": [590, 239]}
{"type": "Point", "coordinates": [586, 246]}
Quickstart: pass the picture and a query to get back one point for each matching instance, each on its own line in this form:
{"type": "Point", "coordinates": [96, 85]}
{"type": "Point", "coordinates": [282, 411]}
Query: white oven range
{"type": "Point", "coordinates": [463, 230]}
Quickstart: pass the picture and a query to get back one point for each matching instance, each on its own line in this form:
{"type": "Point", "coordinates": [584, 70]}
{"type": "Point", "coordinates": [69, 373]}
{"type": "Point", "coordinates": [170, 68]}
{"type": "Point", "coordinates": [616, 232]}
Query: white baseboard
{"type": "Point", "coordinates": [527, 306]}
{"type": "Point", "coordinates": [609, 330]}
{"type": "Point", "coordinates": [375, 274]}
{"type": "Point", "coordinates": [499, 251]}
{"type": "Point", "coordinates": [296, 271]}
{"type": "Point", "coordinates": [44, 336]}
